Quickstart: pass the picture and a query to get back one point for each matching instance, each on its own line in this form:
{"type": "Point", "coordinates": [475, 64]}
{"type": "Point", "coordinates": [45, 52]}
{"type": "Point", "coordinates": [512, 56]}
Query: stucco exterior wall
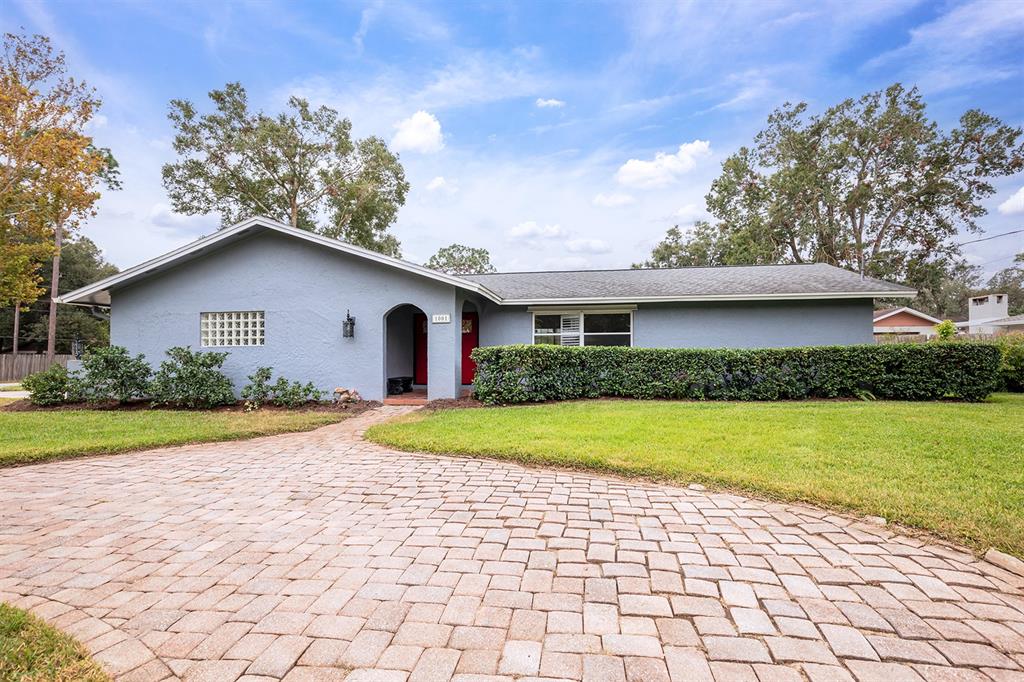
{"type": "Point", "coordinates": [304, 291]}
{"type": "Point", "coordinates": [502, 325]}
{"type": "Point", "coordinates": [753, 324]}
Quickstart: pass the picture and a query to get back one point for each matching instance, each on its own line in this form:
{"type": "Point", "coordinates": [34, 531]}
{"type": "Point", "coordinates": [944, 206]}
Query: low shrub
{"type": "Point", "coordinates": [191, 379]}
{"type": "Point", "coordinates": [294, 394]}
{"type": "Point", "coordinates": [53, 386]}
{"type": "Point", "coordinates": [111, 373]}
{"type": "Point", "coordinates": [1011, 366]}
{"type": "Point", "coordinates": [516, 374]}
{"type": "Point", "coordinates": [259, 391]}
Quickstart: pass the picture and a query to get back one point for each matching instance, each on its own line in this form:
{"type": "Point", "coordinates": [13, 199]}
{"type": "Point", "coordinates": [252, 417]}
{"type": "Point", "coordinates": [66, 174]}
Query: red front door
{"type": "Point", "coordinates": [419, 365]}
{"type": "Point", "coordinates": [470, 340]}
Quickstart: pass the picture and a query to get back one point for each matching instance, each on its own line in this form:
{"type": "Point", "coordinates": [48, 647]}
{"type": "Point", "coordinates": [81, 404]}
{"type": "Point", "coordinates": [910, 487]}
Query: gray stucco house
{"type": "Point", "coordinates": [272, 295]}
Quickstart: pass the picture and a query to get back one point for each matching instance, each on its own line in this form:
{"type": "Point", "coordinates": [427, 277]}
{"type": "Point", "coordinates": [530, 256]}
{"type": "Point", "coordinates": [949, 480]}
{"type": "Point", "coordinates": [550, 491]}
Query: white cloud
{"type": "Point", "coordinates": [955, 49]}
{"type": "Point", "coordinates": [421, 132]}
{"type": "Point", "coordinates": [1013, 205]}
{"type": "Point", "coordinates": [550, 103]}
{"type": "Point", "coordinates": [440, 183]}
{"type": "Point", "coordinates": [689, 213]}
{"type": "Point", "coordinates": [97, 122]}
{"type": "Point", "coordinates": [587, 246]}
{"type": "Point", "coordinates": [613, 200]}
{"type": "Point", "coordinates": [748, 89]}
{"type": "Point", "coordinates": [664, 169]}
{"type": "Point", "coordinates": [406, 19]}
{"type": "Point", "coordinates": [532, 230]}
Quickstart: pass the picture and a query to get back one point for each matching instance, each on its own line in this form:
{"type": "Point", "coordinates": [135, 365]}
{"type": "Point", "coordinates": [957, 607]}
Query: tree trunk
{"type": "Point", "coordinates": [17, 324]}
{"type": "Point", "coordinates": [295, 213]}
{"type": "Point", "coordinates": [51, 333]}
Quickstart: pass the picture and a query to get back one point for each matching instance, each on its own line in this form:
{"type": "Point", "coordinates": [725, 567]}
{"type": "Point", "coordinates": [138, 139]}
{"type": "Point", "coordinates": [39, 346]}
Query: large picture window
{"type": "Point", "coordinates": [580, 328]}
{"type": "Point", "coordinates": [243, 328]}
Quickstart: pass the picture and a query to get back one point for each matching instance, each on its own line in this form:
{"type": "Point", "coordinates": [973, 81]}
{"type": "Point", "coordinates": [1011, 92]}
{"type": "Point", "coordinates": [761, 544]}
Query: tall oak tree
{"type": "Point", "coordinates": [301, 167]}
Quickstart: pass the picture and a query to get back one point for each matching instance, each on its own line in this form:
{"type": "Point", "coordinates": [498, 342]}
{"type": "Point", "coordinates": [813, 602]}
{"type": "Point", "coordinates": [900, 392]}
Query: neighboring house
{"type": "Point", "coordinates": [988, 314]}
{"type": "Point", "coordinates": [1014, 323]}
{"type": "Point", "coordinates": [904, 322]}
{"type": "Point", "coordinates": [276, 296]}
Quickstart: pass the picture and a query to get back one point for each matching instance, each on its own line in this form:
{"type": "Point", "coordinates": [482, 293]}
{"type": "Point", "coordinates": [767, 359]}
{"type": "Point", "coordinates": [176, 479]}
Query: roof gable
{"type": "Point", "coordinates": [98, 293]}
{"type": "Point", "coordinates": [889, 313]}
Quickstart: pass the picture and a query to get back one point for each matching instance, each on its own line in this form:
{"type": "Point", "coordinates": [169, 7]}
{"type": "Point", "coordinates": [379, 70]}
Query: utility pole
{"type": "Point", "coordinates": [51, 332]}
{"type": "Point", "coordinates": [17, 324]}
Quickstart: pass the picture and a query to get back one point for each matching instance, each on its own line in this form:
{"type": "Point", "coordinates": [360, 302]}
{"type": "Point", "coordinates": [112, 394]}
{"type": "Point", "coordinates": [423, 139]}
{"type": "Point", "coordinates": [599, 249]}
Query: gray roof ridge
{"type": "Point", "coordinates": [682, 267]}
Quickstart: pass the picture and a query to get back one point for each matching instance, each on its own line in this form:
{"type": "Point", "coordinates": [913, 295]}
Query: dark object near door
{"type": "Point", "coordinates": [406, 384]}
{"type": "Point", "coordinates": [395, 386]}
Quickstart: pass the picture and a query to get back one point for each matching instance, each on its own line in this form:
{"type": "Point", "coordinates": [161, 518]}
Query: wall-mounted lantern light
{"type": "Point", "coordinates": [348, 326]}
{"type": "Point", "coordinates": [77, 348]}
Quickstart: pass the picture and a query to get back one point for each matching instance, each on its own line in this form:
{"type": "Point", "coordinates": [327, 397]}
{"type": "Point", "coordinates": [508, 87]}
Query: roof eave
{"type": "Point", "coordinates": [711, 298]}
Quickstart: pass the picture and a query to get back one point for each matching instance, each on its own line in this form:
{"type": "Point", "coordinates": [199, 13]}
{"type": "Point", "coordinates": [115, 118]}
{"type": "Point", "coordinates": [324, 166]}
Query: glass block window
{"type": "Point", "coordinates": [244, 328]}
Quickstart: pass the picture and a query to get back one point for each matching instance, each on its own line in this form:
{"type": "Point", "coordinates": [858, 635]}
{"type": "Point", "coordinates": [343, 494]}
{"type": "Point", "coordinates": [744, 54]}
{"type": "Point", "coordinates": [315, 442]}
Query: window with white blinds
{"type": "Point", "coordinates": [583, 328]}
{"type": "Point", "coordinates": [243, 328]}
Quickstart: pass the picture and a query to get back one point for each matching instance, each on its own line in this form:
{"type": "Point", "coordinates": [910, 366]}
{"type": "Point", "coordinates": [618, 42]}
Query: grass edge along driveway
{"type": "Point", "coordinates": [30, 649]}
{"type": "Point", "coordinates": [955, 469]}
{"type": "Point", "coordinates": [28, 437]}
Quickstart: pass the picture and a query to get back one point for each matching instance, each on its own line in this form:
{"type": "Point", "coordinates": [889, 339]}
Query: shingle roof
{"type": "Point", "coordinates": [816, 280]}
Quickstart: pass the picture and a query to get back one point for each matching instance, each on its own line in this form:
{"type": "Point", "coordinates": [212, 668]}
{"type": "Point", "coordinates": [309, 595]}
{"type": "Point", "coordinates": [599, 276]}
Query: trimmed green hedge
{"type": "Point", "coordinates": [517, 374]}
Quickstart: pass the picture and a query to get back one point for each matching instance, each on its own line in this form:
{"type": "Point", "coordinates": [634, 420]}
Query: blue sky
{"type": "Point", "coordinates": [555, 134]}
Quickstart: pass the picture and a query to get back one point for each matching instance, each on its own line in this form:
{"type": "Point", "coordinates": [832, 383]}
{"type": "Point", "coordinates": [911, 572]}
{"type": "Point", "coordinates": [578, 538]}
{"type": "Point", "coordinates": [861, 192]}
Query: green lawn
{"type": "Point", "coordinates": [31, 650]}
{"type": "Point", "coordinates": [956, 469]}
{"type": "Point", "coordinates": [36, 436]}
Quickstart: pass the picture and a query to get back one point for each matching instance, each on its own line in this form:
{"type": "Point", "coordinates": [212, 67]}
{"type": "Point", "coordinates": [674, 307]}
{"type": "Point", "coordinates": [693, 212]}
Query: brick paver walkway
{"type": "Point", "coordinates": [308, 556]}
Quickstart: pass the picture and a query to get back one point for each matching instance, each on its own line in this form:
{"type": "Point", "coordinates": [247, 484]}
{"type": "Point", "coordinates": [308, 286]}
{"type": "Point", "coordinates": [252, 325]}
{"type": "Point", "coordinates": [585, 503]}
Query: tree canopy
{"type": "Point", "coordinates": [872, 185]}
{"type": "Point", "coordinates": [49, 167]}
{"type": "Point", "coordinates": [457, 259]}
{"type": "Point", "coordinates": [82, 263]}
{"type": "Point", "coordinates": [1009, 281]}
{"type": "Point", "coordinates": [301, 167]}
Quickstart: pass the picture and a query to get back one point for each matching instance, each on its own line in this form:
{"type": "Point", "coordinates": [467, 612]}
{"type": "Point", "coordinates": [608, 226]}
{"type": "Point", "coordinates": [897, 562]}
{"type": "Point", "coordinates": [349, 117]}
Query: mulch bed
{"type": "Point", "coordinates": [348, 408]}
{"type": "Point", "coordinates": [453, 404]}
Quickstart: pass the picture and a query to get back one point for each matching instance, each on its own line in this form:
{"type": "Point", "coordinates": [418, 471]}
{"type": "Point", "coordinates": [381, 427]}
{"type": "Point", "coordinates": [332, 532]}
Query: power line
{"type": "Point", "coordinates": [995, 236]}
{"type": "Point", "coordinates": [990, 262]}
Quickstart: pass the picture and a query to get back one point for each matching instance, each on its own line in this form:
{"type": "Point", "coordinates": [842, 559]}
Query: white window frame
{"type": "Point", "coordinates": [582, 313]}
{"type": "Point", "coordinates": [255, 336]}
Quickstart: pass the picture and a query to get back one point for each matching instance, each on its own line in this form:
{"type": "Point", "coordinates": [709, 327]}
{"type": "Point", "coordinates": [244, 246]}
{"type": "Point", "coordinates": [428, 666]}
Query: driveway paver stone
{"type": "Point", "coordinates": [320, 556]}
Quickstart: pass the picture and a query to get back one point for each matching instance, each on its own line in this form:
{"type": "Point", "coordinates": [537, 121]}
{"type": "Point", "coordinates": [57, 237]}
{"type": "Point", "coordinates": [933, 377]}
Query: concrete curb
{"type": "Point", "coordinates": [1005, 561]}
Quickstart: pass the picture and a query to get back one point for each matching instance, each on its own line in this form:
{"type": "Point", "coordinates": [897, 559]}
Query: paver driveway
{"type": "Point", "coordinates": [309, 555]}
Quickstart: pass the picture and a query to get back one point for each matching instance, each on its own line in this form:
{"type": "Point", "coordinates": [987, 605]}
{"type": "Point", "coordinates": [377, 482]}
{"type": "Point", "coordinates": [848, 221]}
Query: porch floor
{"type": "Point", "coordinates": [417, 396]}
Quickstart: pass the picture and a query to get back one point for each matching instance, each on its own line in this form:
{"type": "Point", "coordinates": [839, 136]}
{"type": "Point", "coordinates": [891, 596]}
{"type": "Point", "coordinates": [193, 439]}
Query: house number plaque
{"type": "Point", "coordinates": [441, 319]}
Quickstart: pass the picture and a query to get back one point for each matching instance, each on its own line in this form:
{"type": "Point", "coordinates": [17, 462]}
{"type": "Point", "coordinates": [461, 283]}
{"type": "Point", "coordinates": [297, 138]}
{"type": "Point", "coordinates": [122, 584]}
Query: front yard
{"type": "Point", "coordinates": [31, 650]}
{"type": "Point", "coordinates": [956, 469]}
{"type": "Point", "coordinates": [36, 436]}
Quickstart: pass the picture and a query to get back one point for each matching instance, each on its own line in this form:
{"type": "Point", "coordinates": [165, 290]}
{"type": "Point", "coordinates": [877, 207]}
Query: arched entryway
{"type": "Point", "coordinates": [405, 352]}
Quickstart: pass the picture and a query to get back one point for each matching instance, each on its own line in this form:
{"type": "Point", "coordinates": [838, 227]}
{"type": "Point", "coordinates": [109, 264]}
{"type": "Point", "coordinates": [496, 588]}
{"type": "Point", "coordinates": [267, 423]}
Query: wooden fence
{"type": "Point", "coordinates": [921, 338]}
{"type": "Point", "coordinates": [17, 367]}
